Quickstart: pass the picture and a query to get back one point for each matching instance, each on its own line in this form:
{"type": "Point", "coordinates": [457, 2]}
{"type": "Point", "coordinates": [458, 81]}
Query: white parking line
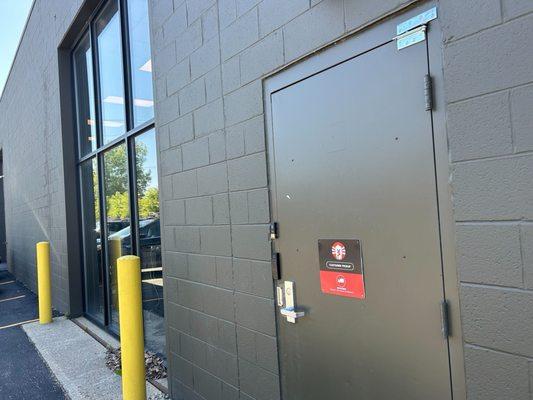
{"type": "Point", "coordinates": [5, 283]}
{"type": "Point", "coordinates": [13, 298]}
{"type": "Point", "coordinates": [18, 323]}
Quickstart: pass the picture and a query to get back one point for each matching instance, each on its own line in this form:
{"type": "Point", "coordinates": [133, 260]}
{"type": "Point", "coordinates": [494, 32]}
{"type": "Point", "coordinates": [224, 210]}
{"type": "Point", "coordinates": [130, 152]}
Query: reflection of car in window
{"type": "Point", "coordinates": [113, 226]}
{"type": "Point", "coordinates": [150, 246]}
{"type": "Point", "coordinates": [149, 241]}
{"type": "Point", "coordinates": [151, 268]}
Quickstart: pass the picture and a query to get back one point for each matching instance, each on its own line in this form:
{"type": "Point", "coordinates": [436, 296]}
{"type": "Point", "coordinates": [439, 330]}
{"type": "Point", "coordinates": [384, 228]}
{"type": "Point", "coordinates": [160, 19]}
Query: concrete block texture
{"type": "Point", "coordinates": [492, 60]}
{"type": "Point", "coordinates": [360, 12]}
{"type": "Point", "coordinates": [276, 13]}
{"type": "Point", "coordinates": [262, 57]}
{"type": "Point", "coordinates": [462, 18]}
{"type": "Point", "coordinates": [244, 103]}
{"type": "Point", "coordinates": [489, 124]}
{"type": "Point", "coordinates": [515, 8]}
{"type": "Point", "coordinates": [526, 232]}
{"type": "Point", "coordinates": [522, 117]}
{"type": "Point", "coordinates": [492, 375]}
{"type": "Point", "coordinates": [498, 318]}
{"type": "Point", "coordinates": [488, 94]}
{"type": "Point", "coordinates": [497, 189]}
{"type": "Point", "coordinates": [32, 150]}
{"type": "Point", "coordinates": [480, 127]}
{"type": "Point", "coordinates": [490, 254]}
{"type": "Point", "coordinates": [301, 34]}
{"type": "Point", "coordinates": [217, 208]}
{"type": "Point", "coordinates": [240, 34]}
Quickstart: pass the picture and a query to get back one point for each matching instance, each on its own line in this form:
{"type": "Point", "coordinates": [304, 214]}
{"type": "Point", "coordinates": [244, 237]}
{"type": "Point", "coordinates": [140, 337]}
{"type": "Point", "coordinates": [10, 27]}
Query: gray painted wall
{"type": "Point", "coordinates": [30, 138]}
{"type": "Point", "coordinates": [488, 59]}
{"type": "Point", "coordinates": [209, 57]}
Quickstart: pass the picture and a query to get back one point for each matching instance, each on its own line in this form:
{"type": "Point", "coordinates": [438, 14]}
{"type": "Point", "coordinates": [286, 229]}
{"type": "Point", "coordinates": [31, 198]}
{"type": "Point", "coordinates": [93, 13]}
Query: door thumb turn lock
{"type": "Point", "coordinates": [289, 311]}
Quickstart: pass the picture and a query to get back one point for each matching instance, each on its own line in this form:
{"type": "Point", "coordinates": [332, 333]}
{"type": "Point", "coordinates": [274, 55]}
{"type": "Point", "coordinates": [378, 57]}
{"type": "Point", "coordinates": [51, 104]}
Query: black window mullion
{"type": "Point", "coordinates": [134, 204]}
{"type": "Point", "coordinates": [103, 238]}
{"type": "Point", "coordinates": [76, 101]}
{"type": "Point", "coordinates": [100, 162]}
{"type": "Point", "coordinates": [81, 201]}
{"type": "Point", "coordinates": [96, 83]}
{"type": "Point", "coordinates": [128, 101]}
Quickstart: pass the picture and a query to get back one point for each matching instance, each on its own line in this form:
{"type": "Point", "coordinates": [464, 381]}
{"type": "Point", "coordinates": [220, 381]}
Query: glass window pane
{"type": "Point", "coordinates": [83, 65]}
{"type": "Point", "coordinates": [117, 207]}
{"type": "Point", "coordinates": [92, 249]}
{"type": "Point", "coordinates": [141, 61]}
{"type": "Point", "coordinates": [111, 72]}
{"type": "Point", "coordinates": [150, 241]}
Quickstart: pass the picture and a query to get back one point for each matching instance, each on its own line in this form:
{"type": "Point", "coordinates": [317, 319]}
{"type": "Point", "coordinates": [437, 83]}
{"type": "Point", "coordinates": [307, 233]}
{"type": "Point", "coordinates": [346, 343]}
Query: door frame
{"type": "Point", "coordinates": [351, 45]}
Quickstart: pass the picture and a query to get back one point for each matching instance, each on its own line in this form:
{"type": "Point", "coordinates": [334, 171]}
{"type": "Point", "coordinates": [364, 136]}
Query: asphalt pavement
{"type": "Point", "coordinates": [23, 373]}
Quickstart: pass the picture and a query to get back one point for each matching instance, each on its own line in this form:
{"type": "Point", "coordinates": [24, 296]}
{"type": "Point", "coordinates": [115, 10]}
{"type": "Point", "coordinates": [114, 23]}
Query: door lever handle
{"type": "Point", "coordinates": [291, 314]}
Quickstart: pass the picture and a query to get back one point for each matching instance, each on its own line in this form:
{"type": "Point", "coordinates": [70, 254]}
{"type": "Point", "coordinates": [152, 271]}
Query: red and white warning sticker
{"type": "Point", "coordinates": [341, 267]}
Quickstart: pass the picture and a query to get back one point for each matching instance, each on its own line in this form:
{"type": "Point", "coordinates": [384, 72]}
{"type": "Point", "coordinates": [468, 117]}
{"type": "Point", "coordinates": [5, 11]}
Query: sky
{"type": "Point", "coordinates": [13, 14]}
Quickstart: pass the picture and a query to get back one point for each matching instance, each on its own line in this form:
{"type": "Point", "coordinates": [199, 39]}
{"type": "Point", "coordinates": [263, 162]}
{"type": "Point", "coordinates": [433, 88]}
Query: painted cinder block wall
{"type": "Point", "coordinates": [31, 142]}
{"type": "Point", "coordinates": [209, 58]}
{"type": "Point", "coordinates": [488, 76]}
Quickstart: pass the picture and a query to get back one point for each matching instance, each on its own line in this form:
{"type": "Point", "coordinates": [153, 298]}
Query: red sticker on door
{"type": "Point", "coordinates": [341, 268]}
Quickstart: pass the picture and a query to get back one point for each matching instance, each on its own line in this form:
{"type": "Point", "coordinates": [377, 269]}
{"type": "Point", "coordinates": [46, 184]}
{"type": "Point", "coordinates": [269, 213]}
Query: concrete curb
{"type": "Point", "coordinates": [78, 361]}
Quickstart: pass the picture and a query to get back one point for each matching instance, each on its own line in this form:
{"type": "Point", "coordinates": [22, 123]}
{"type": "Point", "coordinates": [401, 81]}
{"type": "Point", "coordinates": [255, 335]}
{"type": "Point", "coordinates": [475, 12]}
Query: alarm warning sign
{"type": "Point", "coordinates": [341, 267]}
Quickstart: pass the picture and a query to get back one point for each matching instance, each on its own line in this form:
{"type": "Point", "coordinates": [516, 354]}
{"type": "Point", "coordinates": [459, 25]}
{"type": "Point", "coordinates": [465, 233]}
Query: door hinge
{"type": "Point", "coordinates": [428, 92]}
{"type": "Point", "coordinates": [276, 267]}
{"type": "Point", "coordinates": [445, 318]}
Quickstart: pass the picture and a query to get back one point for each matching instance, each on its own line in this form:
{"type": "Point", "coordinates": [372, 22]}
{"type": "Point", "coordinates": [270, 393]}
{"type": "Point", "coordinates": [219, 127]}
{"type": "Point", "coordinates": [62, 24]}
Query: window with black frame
{"type": "Point", "coordinates": [117, 162]}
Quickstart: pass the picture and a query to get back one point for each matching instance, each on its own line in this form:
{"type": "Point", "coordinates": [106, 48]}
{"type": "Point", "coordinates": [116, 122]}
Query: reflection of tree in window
{"type": "Point", "coordinates": [147, 195]}
{"type": "Point", "coordinates": [149, 203]}
{"type": "Point", "coordinates": [96, 189]}
{"type": "Point", "coordinates": [116, 177]}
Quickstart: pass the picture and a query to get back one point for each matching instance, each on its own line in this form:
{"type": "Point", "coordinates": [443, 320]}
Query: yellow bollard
{"type": "Point", "coordinates": [131, 328]}
{"type": "Point", "coordinates": [43, 282]}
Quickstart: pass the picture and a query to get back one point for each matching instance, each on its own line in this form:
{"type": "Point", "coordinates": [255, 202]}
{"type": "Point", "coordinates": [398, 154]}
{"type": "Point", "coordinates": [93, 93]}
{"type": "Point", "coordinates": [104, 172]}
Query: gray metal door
{"type": "Point", "coordinates": [352, 150]}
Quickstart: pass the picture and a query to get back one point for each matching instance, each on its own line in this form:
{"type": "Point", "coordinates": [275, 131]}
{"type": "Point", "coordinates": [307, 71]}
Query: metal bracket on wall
{"type": "Point", "coordinates": [413, 30]}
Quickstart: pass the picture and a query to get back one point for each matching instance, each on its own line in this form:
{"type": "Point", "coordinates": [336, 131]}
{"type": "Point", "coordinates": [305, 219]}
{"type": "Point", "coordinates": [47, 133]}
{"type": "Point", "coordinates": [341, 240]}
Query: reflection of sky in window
{"type": "Point", "coordinates": [111, 77]}
{"type": "Point", "coordinates": [141, 64]}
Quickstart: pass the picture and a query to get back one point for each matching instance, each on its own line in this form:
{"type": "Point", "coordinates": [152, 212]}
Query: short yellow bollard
{"type": "Point", "coordinates": [43, 282]}
{"type": "Point", "coordinates": [131, 328]}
